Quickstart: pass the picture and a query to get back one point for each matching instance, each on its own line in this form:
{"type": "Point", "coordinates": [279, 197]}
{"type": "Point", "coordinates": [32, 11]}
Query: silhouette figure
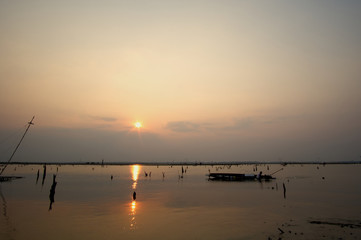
{"type": "Point", "coordinates": [259, 176]}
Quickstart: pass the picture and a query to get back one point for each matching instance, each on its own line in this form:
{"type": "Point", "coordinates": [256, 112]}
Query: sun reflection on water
{"type": "Point", "coordinates": [133, 206]}
{"type": "Point", "coordinates": [135, 173]}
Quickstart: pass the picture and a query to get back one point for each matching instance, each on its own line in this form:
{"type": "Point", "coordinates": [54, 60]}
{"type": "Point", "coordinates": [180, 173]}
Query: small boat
{"type": "Point", "coordinates": [238, 177]}
{"type": "Point", "coordinates": [8, 178]}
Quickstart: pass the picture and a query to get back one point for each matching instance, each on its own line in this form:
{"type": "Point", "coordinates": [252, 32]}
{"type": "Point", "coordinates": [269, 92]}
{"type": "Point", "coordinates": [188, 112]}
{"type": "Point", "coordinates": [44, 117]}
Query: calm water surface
{"type": "Point", "coordinates": [90, 204]}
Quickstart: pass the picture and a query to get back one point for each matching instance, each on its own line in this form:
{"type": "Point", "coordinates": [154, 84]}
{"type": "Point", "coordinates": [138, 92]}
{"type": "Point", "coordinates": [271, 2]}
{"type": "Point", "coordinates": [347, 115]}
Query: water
{"type": "Point", "coordinates": [90, 205]}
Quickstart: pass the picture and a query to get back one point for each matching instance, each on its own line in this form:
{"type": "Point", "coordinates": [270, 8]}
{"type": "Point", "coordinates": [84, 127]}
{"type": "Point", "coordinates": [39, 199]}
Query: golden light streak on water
{"type": "Point", "coordinates": [133, 222]}
{"type": "Point", "coordinates": [135, 173]}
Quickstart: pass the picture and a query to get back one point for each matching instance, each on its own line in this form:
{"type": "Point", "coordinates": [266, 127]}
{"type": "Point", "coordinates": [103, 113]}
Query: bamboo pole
{"type": "Point", "coordinates": [12, 155]}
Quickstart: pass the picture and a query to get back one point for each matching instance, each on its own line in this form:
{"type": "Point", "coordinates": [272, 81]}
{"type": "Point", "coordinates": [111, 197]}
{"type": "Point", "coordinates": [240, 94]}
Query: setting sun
{"type": "Point", "coordinates": [138, 124]}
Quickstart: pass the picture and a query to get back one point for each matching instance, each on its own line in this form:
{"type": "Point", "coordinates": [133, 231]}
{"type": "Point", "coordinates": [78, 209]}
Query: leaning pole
{"type": "Point", "coordinates": [12, 155]}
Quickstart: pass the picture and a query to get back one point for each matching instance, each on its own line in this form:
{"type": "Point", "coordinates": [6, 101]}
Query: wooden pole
{"type": "Point", "coordinates": [12, 155]}
{"type": "Point", "coordinates": [284, 191]}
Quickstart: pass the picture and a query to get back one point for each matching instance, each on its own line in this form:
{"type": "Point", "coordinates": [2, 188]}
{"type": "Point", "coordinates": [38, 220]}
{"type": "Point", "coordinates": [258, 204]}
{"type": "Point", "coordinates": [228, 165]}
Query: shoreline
{"type": "Point", "coordinates": [180, 163]}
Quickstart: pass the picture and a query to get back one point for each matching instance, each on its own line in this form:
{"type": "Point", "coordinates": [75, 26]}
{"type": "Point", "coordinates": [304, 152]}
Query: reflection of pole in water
{"type": "Point", "coordinates": [4, 204]}
{"type": "Point", "coordinates": [9, 227]}
{"type": "Point", "coordinates": [52, 192]}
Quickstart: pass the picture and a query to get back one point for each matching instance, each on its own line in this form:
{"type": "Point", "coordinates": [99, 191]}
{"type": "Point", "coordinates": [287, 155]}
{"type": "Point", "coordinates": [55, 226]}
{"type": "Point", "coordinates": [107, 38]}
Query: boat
{"type": "Point", "coordinates": [8, 178]}
{"type": "Point", "coordinates": [238, 177]}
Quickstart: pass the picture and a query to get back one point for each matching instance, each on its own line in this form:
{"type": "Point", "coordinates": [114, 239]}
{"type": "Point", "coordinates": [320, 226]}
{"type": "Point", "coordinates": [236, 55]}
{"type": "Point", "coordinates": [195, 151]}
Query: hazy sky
{"type": "Point", "coordinates": [209, 80]}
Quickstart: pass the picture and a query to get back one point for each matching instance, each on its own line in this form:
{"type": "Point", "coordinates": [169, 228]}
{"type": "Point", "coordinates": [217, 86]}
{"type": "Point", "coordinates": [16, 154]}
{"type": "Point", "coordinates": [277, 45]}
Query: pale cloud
{"type": "Point", "coordinates": [226, 126]}
{"type": "Point", "coordinates": [183, 126]}
{"type": "Point", "coordinates": [103, 118]}
{"type": "Point", "coordinates": [240, 124]}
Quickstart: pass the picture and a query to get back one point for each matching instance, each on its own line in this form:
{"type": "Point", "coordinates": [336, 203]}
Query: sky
{"type": "Point", "coordinates": [208, 80]}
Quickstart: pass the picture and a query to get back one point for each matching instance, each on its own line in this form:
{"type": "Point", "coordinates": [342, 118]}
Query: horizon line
{"type": "Point", "coordinates": [179, 163]}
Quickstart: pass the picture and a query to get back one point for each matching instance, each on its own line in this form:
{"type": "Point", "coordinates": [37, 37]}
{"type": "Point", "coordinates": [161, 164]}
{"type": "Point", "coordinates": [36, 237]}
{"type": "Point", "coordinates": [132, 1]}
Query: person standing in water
{"type": "Point", "coordinates": [259, 176]}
